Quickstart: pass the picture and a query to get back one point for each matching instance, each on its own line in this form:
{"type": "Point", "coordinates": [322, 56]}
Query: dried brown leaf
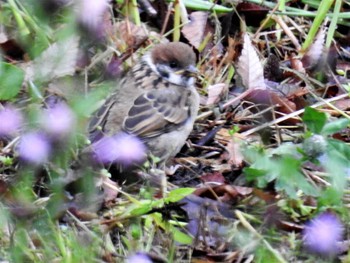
{"type": "Point", "coordinates": [269, 97]}
{"type": "Point", "coordinates": [222, 192]}
{"type": "Point", "coordinates": [130, 34]}
{"type": "Point", "coordinates": [234, 155]}
{"type": "Point", "coordinates": [216, 92]}
{"type": "Point", "coordinates": [343, 104]}
{"type": "Point", "coordinates": [110, 189]}
{"type": "Point", "coordinates": [249, 66]}
{"type": "Point", "coordinates": [242, 190]}
{"type": "Point", "coordinates": [254, 14]}
{"type": "Point", "coordinates": [83, 215]}
{"type": "Point", "coordinates": [215, 177]}
{"type": "Point", "coordinates": [194, 31]}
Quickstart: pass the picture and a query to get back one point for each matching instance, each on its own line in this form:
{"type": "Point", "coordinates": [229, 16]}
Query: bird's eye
{"type": "Point", "coordinates": [173, 64]}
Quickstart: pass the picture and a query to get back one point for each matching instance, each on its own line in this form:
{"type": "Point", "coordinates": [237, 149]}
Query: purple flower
{"type": "Point", "coordinates": [114, 68]}
{"type": "Point", "coordinates": [58, 120]}
{"type": "Point", "coordinates": [138, 258]}
{"type": "Point", "coordinates": [121, 148]}
{"type": "Point", "coordinates": [322, 233]}
{"type": "Point", "coordinates": [10, 121]}
{"type": "Point", "coordinates": [91, 16]}
{"type": "Point", "coordinates": [34, 148]}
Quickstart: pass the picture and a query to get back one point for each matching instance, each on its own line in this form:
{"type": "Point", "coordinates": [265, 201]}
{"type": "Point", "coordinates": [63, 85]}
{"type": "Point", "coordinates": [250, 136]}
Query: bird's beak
{"type": "Point", "coordinates": [190, 71]}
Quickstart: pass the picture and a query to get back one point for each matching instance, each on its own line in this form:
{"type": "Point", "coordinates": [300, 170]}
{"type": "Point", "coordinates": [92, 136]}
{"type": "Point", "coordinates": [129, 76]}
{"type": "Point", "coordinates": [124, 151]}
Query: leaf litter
{"type": "Point", "coordinates": [261, 158]}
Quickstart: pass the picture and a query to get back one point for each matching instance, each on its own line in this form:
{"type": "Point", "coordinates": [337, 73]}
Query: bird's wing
{"type": "Point", "coordinates": [155, 112]}
{"type": "Point", "coordinates": [99, 120]}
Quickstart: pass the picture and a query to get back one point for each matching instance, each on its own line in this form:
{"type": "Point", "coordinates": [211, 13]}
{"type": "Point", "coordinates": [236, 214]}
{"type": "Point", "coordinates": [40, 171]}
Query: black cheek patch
{"type": "Point", "coordinates": [163, 73]}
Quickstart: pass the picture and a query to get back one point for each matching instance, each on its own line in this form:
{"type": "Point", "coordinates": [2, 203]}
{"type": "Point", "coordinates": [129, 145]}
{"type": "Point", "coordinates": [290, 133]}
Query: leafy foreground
{"type": "Point", "coordinates": [264, 176]}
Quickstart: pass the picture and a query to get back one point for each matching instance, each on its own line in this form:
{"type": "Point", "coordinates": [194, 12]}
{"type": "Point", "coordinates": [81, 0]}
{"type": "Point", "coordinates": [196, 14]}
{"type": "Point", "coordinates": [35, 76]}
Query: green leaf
{"type": "Point", "coordinates": [339, 150]}
{"type": "Point", "coordinates": [283, 168]}
{"type": "Point", "coordinates": [289, 177]}
{"type": "Point", "coordinates": [6, 161]}
{"type": "Point", "coordinates": [206, 6]}
{"type": "Point", "coordinates": [136, 231]}
{"type": "Point", "coordinates": [263, 254]}
{"type": "Point", "coordinates": [177, 234]}
{"type": "Point", "coordinates": [178, 194]}
{"type": "Point", "coordinates": [181, 237]}
{"type": "Point", "coordinates": [330, 197]}
{"type": "Point", "coordinates": [314, 120]}
{"type": "Point", "coordinates": [336, 163]}
{"type": "Point", "coordinates": [256, 174]}
{"type": "Point", "coordinates": [322, 11]}
{"type": "Point", "coordinates": [142, 209]}
{"type": "Point", "coordinates": [335, 126]}
{"type": "Point", "coordinates": [11, 79]}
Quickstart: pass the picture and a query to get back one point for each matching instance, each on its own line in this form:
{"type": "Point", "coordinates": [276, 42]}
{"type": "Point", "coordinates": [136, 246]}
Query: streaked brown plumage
{"type": "Point", "coordinates": [156, 101]}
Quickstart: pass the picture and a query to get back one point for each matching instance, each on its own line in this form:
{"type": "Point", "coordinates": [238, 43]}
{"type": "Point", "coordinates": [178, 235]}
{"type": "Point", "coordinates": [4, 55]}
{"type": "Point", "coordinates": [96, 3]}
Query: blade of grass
{"type": "Point", "coordinates": [344, 15]}
{"type": "Point", "coordinates": [177, 16]}
{"type": "Point", "coordinates": [206, 6]}
{"type": "Point", "coordinates": [321, 14]}
{"type": "Point", "coordinates": [22, 27]}
{"type": "Point", "coordinates": [333, 25]}
{"type": "Point", "coordinates": [134, 12]}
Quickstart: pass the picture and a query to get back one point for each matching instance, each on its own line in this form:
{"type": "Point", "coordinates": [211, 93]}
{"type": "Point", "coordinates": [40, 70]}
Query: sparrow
{"type": "Point", "coordinates": [156, 101]}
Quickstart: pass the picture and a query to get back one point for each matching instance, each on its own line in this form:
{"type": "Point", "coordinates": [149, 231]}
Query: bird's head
{"type": "Point", "coordinates": [175, 62]}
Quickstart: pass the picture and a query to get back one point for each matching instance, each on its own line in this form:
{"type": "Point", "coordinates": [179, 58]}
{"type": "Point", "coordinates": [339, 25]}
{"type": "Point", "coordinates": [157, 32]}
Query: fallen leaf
{"type": "Point", "coordinates": [222, 192]}
{"type": "Point", "coordinates": [194, 31]}
{"type": "Point", "coordinates": [131, 34]}
{"type": "Point", "coordinates": [215, 177]}
{"type": "Point", "coordinates": [343, 104]}
{"type": "Point", "coordinates": [243, 191]}
{"type": "Point", "coordinates": [233, 153]}
{"type": "Point", "coordinates": [254, 14]}
{"type": "Point", "coordinates": [216, 92]}
{"type": "Point", "coordinates": [110, 189]}
{"type": "Point", "coordinates": [269, 97]}
{"type": "Point", "coordinates": [249, 66]}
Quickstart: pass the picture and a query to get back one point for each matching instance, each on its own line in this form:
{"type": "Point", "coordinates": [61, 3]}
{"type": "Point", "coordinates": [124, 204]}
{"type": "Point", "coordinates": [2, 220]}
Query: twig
{"type": "Point", "coordinates": [291, 115]}
{"type": "Point", "coordinates": [288, 32]}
